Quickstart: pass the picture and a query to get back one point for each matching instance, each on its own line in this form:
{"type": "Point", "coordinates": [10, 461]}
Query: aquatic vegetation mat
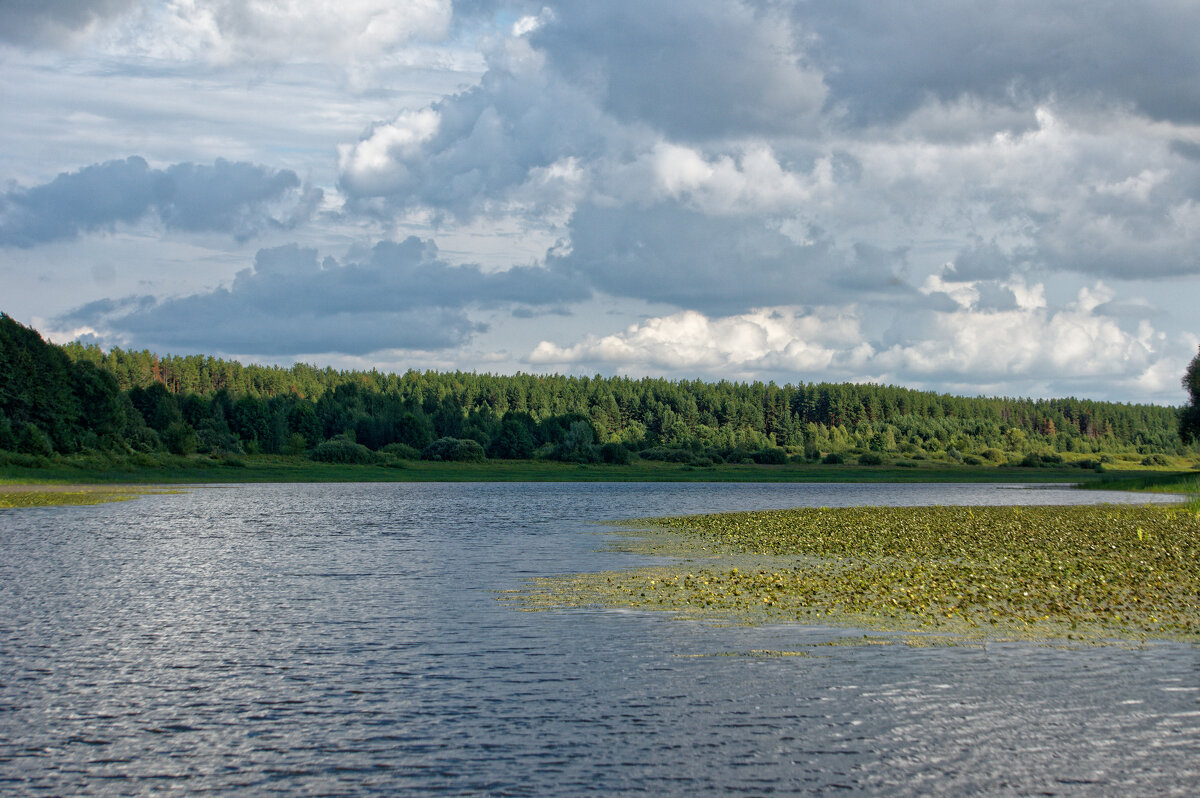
{"type": "Point", "coordinates": [1058, 573]}
{"type": "Point", "coordinates": [13, 498]}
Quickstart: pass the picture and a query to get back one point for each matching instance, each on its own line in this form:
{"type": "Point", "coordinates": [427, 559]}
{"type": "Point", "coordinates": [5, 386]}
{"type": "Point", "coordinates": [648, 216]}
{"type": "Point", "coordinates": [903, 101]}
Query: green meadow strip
{"type": "Point", "coordinates": [1087, 573]}
{"type": "Point", "coordinates": [165, 468]}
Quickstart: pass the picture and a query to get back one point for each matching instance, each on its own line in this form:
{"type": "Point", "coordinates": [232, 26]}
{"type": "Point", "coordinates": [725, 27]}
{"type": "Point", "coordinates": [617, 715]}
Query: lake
{"type": "Point", "coordinates": [347, 639]}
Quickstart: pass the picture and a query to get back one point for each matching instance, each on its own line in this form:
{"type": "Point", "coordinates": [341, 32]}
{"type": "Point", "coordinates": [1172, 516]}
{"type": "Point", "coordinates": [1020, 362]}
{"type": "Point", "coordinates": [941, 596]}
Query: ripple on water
{"type": "Point", "coordinates": [345, 639]}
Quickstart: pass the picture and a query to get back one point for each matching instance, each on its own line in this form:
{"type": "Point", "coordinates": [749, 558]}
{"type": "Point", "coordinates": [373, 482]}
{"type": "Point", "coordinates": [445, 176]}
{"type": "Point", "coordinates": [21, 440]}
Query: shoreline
{"type": "Point", "coordinates": [76, 483]}
{"type": "Point", "coordinates": [70, 490]}
{"type": "Point", "coordinates": [170, 469]}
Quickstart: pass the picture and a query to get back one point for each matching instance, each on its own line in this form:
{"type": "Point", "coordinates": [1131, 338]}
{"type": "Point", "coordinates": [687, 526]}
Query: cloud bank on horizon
{"type": "Point", "coordinates": [982, 199]}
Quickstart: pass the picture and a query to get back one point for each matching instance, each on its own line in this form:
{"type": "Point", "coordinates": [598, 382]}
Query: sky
{"type": "Point", "coordinates": [995, 198]}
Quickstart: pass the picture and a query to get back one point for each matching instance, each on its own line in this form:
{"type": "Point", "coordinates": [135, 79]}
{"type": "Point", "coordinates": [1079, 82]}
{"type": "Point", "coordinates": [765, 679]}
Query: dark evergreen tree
{"type": "Point", "coordinates": [302, 420]}
{"type": "Point", "coordinates": [513, 441]}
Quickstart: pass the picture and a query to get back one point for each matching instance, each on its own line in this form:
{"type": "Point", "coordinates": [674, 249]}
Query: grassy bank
{"type": "Point", "coordinates": [1054, 573]}
{"type": "Point", "coordinates": [168, 469]}
{"type": "Point", "coordinates": [1174, 482]}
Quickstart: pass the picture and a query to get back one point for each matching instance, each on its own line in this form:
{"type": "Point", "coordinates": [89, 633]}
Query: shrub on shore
{"type": "Point", "coordinates": [457, 450]}
{"type": "Point", "coordinates": [341, 450]}
{"type": "Point", "coordinates": [401, 451]}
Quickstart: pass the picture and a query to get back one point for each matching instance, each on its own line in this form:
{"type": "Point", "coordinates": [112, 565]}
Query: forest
{"type": "Point", "coordinates": [80, 398]}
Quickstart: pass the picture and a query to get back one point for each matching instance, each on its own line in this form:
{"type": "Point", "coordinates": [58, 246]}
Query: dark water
{"type": "Point", "coordinates": [346, 639]}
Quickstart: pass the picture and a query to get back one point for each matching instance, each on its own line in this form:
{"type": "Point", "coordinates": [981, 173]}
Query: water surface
{"type": "Point", "coordinates": [346, 639]}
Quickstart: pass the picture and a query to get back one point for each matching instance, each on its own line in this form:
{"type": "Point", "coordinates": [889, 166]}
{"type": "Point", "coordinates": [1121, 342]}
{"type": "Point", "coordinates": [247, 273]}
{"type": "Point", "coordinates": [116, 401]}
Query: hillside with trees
{"type": "Point", "coordinates": [80, 398]}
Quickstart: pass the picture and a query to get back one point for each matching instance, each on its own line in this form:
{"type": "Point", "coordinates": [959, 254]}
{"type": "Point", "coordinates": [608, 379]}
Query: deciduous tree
{"type": "Point", "coordinates": [1189, 419]}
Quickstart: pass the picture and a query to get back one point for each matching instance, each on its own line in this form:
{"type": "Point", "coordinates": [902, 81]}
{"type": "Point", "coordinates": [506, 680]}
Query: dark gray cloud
{"type": "Point", "coordinates": [994, 297]}
{"type": "Point", "coordinates": [694, 71]}
{"type": "Point", "coordinates": [593, 82]}
{"type": "Point", "coordinates": [400, 296]}
{"type": "Point", "coordinates": [668, 253]}
{"type": "Point", "coordinates": [1135, 310]}
{"type": "Point", "coordinates": [38, 22]}
{"type": "Point", "coordinates": [225, 324]}
{"type": "Point", "coordinates": [1123, 249]}
{"type": "Point", "coordinates": [1115, 207]}
{"type": "Point", "coordinates": [1186, 149]}
{"type": "Point", "coordinates": [570, 116]}
{"type": "Point", "coordinates": [981, 261]}
{"type": "Point", "coordinates": [1144, 226]}
{"type": "Point", "coordinates": [722, 68]}
{"type": "Point", "coordinates": [882, 62]}
{"type": "Point", "coordinates": [487, 141]}
{"type": "Point", "coordinates": [485, 12]}
{"type": "Point", "coordinates": [231, 197]}
{"type": "Point", "coordinates": [241, 199]}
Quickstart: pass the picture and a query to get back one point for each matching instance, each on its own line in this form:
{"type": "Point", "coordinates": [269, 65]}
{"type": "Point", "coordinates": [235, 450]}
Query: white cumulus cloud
{"type": "Point", "coordinates": [690, 340]}
{"type": "Point", "coordinates": [752, 181]}
{"type": "Point", "coordinates": [230, 31]}
{"type": "Point", "coordinates": [1031, 345]}
{"type": "Point", "coordinates": [375, 165]}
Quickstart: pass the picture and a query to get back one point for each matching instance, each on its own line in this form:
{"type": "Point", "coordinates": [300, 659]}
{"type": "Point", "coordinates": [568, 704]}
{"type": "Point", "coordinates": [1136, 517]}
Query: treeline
{"type": "Point", "coordinates": [65, 399]}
